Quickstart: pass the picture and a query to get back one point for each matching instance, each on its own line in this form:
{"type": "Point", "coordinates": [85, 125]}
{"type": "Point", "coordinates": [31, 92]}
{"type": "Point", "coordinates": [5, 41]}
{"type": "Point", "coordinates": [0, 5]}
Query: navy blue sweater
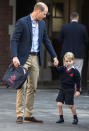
{"type": "Point", "coordinates": [69, 78]}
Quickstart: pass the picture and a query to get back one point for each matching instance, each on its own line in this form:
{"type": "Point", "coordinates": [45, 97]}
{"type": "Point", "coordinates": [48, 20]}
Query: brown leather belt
{"type": "Point", "coordinates": [34, 53]}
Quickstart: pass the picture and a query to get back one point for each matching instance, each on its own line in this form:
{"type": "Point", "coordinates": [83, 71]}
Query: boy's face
{"type": "Point", "coordinates": [68, 62]}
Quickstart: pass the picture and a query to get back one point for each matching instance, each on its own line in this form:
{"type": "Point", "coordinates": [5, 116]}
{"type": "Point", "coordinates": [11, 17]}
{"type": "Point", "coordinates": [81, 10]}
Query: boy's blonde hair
{"type": "Point", "coordinates": [69, 55]}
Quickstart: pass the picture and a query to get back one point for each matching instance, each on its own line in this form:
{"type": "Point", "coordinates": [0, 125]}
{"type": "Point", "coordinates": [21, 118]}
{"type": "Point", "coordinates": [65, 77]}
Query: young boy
{"type": "Point", "coordinates": [69, 77]}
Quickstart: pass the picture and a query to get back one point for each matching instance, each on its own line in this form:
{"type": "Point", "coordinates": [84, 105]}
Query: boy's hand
{"type": "Point", "coordinates": [55, 62]}
{"type": "Point", "coordinates": [77, 93]}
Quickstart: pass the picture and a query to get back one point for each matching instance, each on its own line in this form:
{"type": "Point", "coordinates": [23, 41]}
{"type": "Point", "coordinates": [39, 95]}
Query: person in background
{"type": "Point", "coordinates": [26, 49]}
{"type": "Point", "coordinates": [69, 77]}
{"type": "Point", "coordinates": [74, 37]}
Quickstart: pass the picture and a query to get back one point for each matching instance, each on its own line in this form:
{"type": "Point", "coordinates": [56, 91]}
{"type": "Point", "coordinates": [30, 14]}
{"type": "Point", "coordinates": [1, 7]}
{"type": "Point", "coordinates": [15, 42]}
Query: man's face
{"type": "Point", "coordinates": [41, 14]}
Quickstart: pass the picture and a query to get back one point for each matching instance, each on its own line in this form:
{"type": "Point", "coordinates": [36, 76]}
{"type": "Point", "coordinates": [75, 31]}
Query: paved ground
{"type": "Point", "coordinates": [45, 109]}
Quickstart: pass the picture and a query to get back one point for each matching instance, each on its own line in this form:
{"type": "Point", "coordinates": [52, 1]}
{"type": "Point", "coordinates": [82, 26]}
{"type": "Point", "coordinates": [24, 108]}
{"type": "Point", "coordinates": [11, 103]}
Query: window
{"type": "Point", "coordinates": [57, 16]}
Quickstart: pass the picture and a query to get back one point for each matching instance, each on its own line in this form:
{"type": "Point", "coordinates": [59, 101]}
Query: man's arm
{"type": "Point", "coordinates": [49, 47]}
{"type": "Point", "coordinates": [16, 38]}
{"type": "Point", "coordinates": [14, 43]}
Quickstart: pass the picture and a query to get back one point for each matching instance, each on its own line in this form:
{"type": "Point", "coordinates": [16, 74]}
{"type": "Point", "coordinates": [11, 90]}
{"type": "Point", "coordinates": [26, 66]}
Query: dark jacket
{"type": "Point", "coordinates": [21, 41]}
{"type": "Point", "coordinates": [73, 37]}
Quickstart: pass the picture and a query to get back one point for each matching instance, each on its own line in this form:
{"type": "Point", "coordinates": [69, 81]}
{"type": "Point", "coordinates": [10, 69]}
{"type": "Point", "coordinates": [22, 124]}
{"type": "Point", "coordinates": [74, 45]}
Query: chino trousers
{"type": "Point", "coordinates": [78, 64]}
{"type": "Point", "coordinates": [25, 95]}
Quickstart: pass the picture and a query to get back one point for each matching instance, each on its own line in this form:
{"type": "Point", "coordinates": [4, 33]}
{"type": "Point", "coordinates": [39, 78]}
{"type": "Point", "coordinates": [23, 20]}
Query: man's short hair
{"type": "Point", "coordinates": [74, 15]}
{"type": "Point", "coordinates": [40, 5]}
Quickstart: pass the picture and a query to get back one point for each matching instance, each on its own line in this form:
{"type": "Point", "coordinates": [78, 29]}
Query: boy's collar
{"type": "Point", "coordinates": [70, 67]}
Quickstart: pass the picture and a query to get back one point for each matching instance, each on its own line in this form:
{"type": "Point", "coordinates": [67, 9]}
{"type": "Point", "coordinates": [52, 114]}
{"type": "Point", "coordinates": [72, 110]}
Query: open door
{"type": "Point", "coordinates": [85, 21]}
{"type": "Point", "coordinates": [24, 7]}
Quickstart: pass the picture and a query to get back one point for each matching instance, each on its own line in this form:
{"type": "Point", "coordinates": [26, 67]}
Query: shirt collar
{"type": "Point", "coordinates": [32, 19]}
{"type": "Point", "coordinates": [74, 20]}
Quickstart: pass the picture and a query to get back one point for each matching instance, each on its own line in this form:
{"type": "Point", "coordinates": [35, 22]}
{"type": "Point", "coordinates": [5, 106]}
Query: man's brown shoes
{"type": "Point", "coordinates": [32, 119]}
{"type": "Point", "coordinates": [19, 120]}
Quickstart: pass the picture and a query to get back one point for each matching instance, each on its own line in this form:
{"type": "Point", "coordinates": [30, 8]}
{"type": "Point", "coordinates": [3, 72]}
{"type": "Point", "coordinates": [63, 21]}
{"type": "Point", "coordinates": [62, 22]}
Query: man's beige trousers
{"type": "Point", "coordinates": [29, 87]}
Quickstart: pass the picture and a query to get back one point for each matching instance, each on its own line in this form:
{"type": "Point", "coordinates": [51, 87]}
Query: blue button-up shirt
{"type": "Point", "coordinates": [35, 36]}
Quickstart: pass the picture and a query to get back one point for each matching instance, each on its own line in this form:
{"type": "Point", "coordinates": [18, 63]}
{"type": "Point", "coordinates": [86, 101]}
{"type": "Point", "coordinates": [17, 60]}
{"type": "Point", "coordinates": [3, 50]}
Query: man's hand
{"type": "Point", "coordinates": [56, 62]}
{"type": "Point", "coordinates": [16, 61]}
{"type": "Point", "coordinates": [77, 93]}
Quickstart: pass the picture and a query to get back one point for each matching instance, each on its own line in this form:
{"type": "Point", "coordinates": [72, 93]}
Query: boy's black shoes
{"type": "Point", "coordinates": [75, 121]}
{"type": "Point", "coordinates": [60, 121]}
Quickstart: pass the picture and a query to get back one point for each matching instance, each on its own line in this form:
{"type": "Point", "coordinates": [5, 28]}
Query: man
{"type": "Point", "coordinates": [26, 49]}
{"type": "Point", "coordinates": [74, 37]}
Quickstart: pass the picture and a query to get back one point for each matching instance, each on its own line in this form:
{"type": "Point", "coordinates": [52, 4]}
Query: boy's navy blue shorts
{"type": "Point", "coordinates": [66, 96]}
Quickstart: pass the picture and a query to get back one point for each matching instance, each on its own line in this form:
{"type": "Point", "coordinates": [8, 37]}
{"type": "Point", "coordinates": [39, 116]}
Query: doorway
{"type": "Point", "coordinates": [24, 7]}
{"type": "Point", "coordinates": [57, 22]}
{"type": "Point", "coordinates": [85, 21]}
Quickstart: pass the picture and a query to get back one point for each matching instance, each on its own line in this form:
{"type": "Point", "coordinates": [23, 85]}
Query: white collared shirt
{"type": "Point", "coordinates": [74, 20]}
{"type": "Point", "coordinates": [35, 36]}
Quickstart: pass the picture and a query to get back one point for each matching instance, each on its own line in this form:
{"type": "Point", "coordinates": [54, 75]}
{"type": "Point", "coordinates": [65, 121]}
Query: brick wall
{"type": "Point", "coordinates": [5, 20]}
